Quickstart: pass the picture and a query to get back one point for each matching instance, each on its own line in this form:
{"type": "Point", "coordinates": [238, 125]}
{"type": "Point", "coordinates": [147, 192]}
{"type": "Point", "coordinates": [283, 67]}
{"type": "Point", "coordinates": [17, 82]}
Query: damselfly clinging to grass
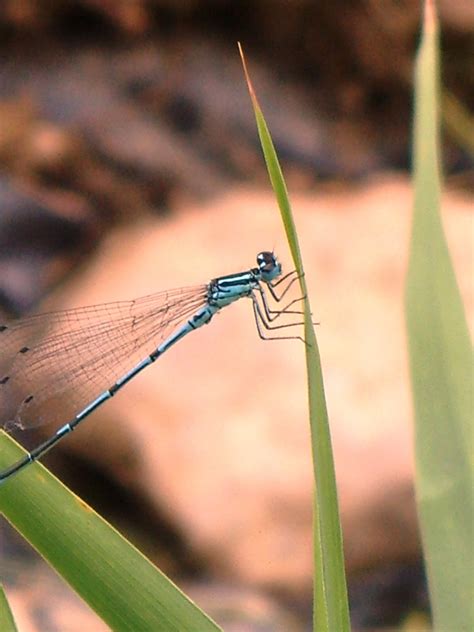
{"type": "Point", "coordinates": [61, 362]}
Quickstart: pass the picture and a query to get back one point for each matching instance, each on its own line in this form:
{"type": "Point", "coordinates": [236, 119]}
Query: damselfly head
{"type": "Point", "coordinates": [269, 266]}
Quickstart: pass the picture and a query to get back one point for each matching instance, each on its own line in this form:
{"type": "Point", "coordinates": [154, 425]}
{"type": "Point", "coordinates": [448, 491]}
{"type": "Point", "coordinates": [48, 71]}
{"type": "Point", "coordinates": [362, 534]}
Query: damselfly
{"type": "Point", "coordinates": [52, 364]}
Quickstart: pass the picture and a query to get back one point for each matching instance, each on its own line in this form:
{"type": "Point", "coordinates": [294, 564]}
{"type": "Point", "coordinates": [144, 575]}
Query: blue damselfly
{"type": "Point", "coordinates": [68, 363]}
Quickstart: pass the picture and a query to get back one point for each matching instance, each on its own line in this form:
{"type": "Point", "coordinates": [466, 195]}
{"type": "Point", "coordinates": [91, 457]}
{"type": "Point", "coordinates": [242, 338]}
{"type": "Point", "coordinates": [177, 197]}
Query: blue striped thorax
{"type": "Point", "coordinates": [227, 289]}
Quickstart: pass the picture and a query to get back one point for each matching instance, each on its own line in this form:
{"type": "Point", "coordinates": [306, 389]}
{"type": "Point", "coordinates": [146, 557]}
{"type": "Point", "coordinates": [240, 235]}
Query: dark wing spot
{"type": "Point", "coordinates": [3, 328]}
{"type": "Point", "coordinates": [5, 379]}
{"type": "Point", "coordinates": [28, 399]}
{"type": "Point", "coordinates": [24, 349]}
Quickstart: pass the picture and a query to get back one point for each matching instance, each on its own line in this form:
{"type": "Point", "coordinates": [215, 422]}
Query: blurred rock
{"type": "Point", "coordinates": [216, 434]}
{"type": "Point", "coordinates": [42, 236]}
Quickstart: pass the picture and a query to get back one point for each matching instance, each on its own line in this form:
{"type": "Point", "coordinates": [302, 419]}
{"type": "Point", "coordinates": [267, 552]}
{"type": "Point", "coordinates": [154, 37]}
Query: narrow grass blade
{"type": "Point", "coordinates": [7, 623]}
{"type": "Point", "coordinates": [440, 356]}
{"type": "Point", "coordinates": [110, 574]}
{"type": "Point", "coordinates": [330, 593]}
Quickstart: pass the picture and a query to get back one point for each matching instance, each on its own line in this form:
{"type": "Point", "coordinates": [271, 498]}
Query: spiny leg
{"type": "Point", "coordinates": [272, 314]}
{"type": "Point", "coordinates": [271, 286]}
{"type": "Point", "coordinates": [260, 320]}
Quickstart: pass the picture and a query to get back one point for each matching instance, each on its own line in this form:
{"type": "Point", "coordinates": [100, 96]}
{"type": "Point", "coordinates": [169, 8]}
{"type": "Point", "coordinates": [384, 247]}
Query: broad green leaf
{"type": "Point", "coordinates": [440, 356]}
{"type": "Point", "coordinates": [109, 573]}
{"type": "Point", "coordinates": [7, 623]}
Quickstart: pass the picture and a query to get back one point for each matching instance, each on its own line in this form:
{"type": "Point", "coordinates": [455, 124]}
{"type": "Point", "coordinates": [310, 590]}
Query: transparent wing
{"type": "Point", "coordinates": [53, 364]}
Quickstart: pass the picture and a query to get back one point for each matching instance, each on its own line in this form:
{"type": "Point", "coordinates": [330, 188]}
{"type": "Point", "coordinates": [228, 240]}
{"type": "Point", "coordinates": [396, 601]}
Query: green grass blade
{"type": "Point", "coordinates": [7, 623]}
{"type": "Point", "coordinates": [110, 574]}
{"type": "Point", "coordinates": [330, 593]}
{"type": "Point", "coordinates": [440, 356]}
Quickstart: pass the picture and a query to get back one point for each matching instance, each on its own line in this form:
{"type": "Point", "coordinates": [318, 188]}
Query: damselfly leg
{"type": "Point", "coordinates": [265, 315]}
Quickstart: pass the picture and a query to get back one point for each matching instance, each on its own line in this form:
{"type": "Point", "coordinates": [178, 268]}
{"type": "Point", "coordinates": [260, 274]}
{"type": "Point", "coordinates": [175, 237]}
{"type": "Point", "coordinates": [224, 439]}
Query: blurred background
{"type": "Point", "coordinates": [129, 164]}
